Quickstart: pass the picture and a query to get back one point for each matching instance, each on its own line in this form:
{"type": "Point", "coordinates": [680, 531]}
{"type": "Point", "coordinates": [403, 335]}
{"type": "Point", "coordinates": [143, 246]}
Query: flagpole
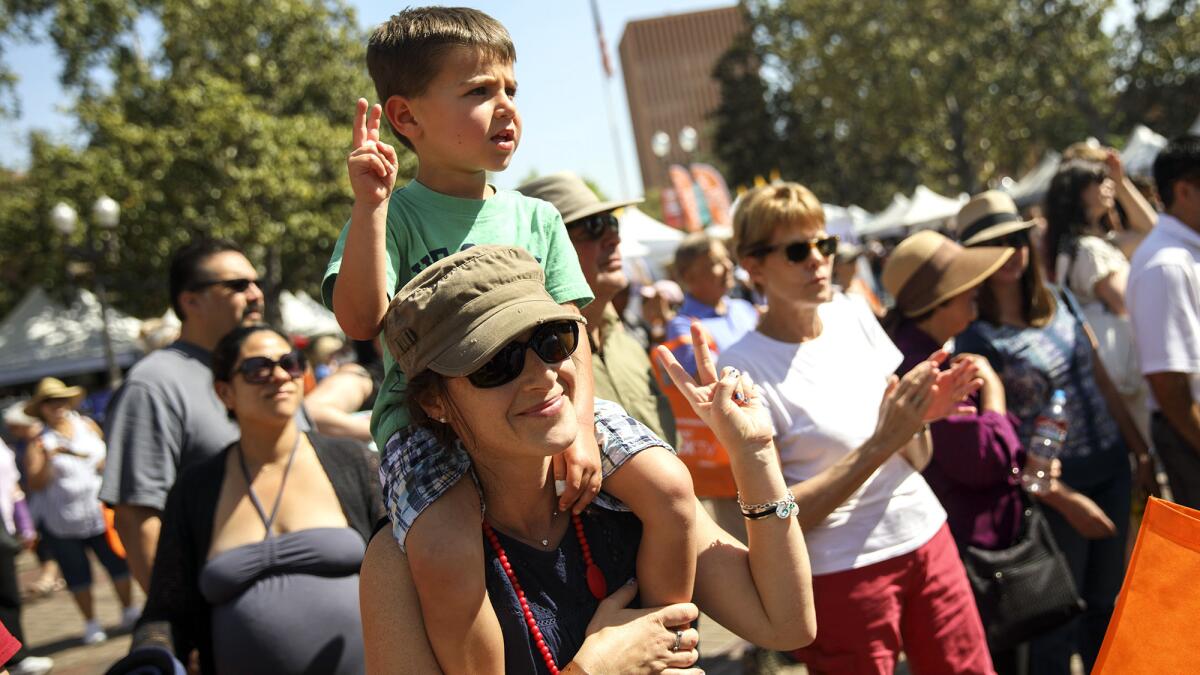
{"type": "Point", "coordinates": [608, 99]}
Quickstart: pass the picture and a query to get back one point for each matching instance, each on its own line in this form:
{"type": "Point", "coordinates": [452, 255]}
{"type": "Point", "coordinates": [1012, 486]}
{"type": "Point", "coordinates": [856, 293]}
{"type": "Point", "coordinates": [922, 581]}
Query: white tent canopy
{"type": "Point", "coordinates": [304, 316]}
{"type": "Point", "coordinates": [925, 208]}
{"type": "Point", "coordinates": [845, 221]}
{"type": "Point", "coordinates": [645, 237]}
{"type": "Point", "coordinates": [40, 338]}
{"type": "Point", "coordinates": [1031, 188]}
{"type": "Point", "coordinates": [888, 219]}
{"type": "Point", "coordinates": [930, 209]}
{"type": "Point", "coordinates": [1139, 153]}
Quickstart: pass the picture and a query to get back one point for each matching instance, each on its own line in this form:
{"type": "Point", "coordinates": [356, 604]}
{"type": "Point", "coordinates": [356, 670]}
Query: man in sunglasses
{"type": "Point", "coordinates": [166, 416]}
{"type": "Point", "coordinates": [621, 369]}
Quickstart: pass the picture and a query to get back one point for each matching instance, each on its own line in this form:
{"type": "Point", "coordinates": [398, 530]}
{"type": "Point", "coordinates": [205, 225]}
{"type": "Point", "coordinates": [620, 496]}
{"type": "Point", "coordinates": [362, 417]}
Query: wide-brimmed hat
{"type": "Point", "coordinates": [928, 269]}
{"type": "Point", "coordinates": [457, 313]}
{"type": "Point", "coordinates": [988, 215]}
{"type": "Point", "coordinates": [51, 388]}
{"type": "Point", "coordinates": [570, 195]}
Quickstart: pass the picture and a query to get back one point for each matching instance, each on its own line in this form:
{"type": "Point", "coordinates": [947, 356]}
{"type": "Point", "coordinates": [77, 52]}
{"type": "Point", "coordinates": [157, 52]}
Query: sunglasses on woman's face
{"type": "Point", "coordinates": [1013, 240]}
{"type": "Point", "coordinates": [799, 251]}
{"type": "Point", "coordinates": [259, 369]}
{"type": "Point", "coordinates": [552, 342]}
{"type": "Point", "coordinates": [595, 227]}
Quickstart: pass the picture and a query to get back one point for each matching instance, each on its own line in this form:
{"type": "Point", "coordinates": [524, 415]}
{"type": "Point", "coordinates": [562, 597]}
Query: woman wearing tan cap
{"type": "Point", "coordinates": [490, 360]}
{"type": "Point", "coordinates": [64, 463]}
{"type": "Point", "coordinates": [977, 457]}
{"type": "Point", "coordinates": [1037, 345]}
{"type": "Point", "coordinates": [886, 575]}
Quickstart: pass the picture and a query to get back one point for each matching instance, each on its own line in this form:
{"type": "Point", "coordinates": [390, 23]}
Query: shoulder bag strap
{"type": "Point", "coordinates": [1116, 405]}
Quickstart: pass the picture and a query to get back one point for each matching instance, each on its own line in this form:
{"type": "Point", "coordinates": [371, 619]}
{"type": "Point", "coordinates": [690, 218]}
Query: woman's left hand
{"type": "Point", "coordinates": [621, 640]}
{"type": "Point", "coordinates": [952, 387]}
{"type": "Point", "coordinates": [730, 406]}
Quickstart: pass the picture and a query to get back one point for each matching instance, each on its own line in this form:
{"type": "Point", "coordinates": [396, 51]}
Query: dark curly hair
{"type": "Point", "coordinates": [1066, 219]}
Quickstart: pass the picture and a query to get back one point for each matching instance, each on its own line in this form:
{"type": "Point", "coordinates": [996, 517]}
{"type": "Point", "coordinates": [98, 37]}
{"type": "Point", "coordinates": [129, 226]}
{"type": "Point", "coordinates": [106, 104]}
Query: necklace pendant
{"type": "Point", "coordinates": [545, 543]}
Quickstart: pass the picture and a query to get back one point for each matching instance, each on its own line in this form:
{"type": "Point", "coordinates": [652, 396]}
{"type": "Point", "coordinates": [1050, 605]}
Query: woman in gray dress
{"type": "Point", "coordinates": [257, 564]}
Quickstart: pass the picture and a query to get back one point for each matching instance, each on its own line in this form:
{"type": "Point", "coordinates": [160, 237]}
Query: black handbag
{"type": "Point", "coordinates": [1024, 590]}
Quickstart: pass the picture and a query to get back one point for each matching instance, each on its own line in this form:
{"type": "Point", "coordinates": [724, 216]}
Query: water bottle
{"type": "Point", "coordinates": [1049, 434]}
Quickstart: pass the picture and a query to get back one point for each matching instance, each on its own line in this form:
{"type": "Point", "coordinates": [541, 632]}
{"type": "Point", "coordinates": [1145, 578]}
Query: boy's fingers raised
{"type": "Point", "coordinates": [373, 122]}
{"type": "Point", "coordinates": [360, 122]}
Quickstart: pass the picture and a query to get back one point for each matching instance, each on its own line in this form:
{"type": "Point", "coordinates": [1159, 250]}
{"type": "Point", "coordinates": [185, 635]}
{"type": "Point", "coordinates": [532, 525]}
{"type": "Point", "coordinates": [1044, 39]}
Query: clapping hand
{"type": "Point", "coordinates": [730, 406]}
{"type": "Point", "coordinates": [951, 387]}
{"type": "Point", "coordinates": [372, 164]}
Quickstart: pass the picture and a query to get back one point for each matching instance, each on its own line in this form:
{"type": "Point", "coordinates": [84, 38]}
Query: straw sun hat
{"type": "Point", "coordinates": [52, 388]}
{"type": "Point", "coordinates": [928, 269]}
{"type": "Point", "coordinates": [989, 215]}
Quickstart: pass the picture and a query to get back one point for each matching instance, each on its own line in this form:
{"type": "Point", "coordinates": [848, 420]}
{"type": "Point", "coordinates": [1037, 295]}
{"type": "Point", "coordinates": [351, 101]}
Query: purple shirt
{"type": "Point", "coordinates": [740, 317]}
{"type": "Point", "coordinates": [976, 463]}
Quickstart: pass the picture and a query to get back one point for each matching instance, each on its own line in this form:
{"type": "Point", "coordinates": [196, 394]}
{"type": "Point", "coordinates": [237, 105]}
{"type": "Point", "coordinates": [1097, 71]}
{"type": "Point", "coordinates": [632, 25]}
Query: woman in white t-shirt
{"type": "Point", "coordinates": [886, 574]}
{"type": "Point", "coordinates": [64, 463]}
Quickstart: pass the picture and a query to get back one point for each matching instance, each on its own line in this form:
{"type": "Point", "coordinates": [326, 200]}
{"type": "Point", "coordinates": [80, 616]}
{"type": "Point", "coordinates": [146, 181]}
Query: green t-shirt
{"type": "Point", "coordinates": [424, 226]}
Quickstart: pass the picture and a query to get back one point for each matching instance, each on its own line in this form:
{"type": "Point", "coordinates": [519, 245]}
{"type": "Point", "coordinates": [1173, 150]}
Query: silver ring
{"type": "Point", "coordinates": [678, 637]}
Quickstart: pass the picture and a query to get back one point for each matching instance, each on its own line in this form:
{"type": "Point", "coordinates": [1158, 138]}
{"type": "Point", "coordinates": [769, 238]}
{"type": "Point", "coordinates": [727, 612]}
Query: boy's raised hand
{"type": "Point", "coordinates": [372, 164]}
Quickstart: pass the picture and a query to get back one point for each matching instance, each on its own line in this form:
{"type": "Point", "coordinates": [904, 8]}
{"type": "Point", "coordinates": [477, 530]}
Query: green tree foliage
{"type": "Point", "coordinates": [742, 127]}
{"type": "Point", "coordinates": [235, 124]}
{"type": "Point", "coordinates": [1160, 66]}
{"type": "Point", "coordinates": [875, 97]}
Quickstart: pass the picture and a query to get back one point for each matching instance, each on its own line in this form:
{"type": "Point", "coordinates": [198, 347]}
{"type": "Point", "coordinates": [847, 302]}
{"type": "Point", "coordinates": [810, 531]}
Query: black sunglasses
{"type": "Point", "coordinates": [235, 285]}
{"type": "Point", "coordinates": [595, 226]}
{"type": "Point", "coordinates": [798, 251]}
{"type": "Point", "coordinates": [552, 342]}
{"type": "Point", "coordinates": [1013, 239]}
{"type": "Point", "coordinates": [259, 369]}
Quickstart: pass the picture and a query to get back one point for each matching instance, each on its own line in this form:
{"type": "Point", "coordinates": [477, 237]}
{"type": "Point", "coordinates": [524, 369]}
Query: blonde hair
{"type": "Point", "coordinates": [765, 209]}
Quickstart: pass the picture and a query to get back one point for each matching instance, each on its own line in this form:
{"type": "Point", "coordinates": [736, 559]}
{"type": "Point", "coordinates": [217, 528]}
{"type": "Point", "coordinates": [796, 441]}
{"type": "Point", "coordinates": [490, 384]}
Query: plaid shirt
{"type": "Point", "coordinates": [417, 469]}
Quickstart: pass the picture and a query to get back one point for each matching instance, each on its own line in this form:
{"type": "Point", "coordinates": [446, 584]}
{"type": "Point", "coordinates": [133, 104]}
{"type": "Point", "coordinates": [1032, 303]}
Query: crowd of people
{"type": "Point", "coordinates": [523, 471]}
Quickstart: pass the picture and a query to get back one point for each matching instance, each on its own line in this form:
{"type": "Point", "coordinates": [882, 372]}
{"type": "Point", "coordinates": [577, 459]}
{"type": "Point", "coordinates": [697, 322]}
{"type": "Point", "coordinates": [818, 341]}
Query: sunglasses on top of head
{"type": "Point", "coordinates": [235, 285]}
{"type": "Point", "coordinates": [595, 226]}
{"type": "Point", "coordinates": [799, 251]}
{"type": "Point", "coordinates": [552, 342]}
{"type": "Point", "coordinates": [259, 369]}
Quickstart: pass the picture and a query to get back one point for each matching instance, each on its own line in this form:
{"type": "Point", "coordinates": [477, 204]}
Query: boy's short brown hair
{"type": "Point", "coordinates": [405, 53]}
{"type": "Point", "coordinates": [767, 208]}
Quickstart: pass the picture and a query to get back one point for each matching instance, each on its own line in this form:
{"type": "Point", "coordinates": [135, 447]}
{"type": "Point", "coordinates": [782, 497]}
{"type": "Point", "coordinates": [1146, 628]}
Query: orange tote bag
{"type": "Point", "coordinates": [1153, 628]}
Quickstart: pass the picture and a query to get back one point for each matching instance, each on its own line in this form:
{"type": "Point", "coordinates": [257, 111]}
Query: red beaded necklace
{"type": "Point", "coordinates": [595, 582]}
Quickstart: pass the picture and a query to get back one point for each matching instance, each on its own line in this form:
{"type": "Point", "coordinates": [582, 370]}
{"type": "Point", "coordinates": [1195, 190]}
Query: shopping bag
{"type": "Point", "coordinates": [1153, 628]}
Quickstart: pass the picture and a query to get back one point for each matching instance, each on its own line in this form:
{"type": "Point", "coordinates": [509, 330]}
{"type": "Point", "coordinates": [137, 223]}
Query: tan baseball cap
{"type": "Point", "coordinates": [928, 269]}
{"type": "Point", "coordinates": [457, 313]}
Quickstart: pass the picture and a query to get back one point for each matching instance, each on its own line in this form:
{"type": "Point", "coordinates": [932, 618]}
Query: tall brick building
{"type": "Point", "coordinates": [668, 63]}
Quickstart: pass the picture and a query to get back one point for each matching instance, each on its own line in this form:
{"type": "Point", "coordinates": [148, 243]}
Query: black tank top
{"type": "Point", "coordinates": [556, 589]}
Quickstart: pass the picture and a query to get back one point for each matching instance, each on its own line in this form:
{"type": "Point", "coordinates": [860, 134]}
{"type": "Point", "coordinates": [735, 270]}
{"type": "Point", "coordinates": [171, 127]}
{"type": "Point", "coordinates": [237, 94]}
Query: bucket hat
{"type": "Point", "coordinates": [571, 196]}
{"type": "Point", "coordinates": [927, 269]}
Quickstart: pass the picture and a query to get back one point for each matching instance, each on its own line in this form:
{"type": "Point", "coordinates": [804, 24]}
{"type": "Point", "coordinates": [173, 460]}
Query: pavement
{"type": "Point", "coordinates": [53, 625]}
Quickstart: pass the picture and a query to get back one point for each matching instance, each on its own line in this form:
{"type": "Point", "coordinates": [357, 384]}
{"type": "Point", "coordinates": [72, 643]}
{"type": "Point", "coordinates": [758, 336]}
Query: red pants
{"type": "Point", "coordinates": [919, 603]}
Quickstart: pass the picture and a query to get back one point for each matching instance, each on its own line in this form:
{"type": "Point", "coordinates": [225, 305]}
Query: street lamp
{"type": "Point", "coordinates": [688, 140]}
{"type": "Point", "coordinates": [106, 213]}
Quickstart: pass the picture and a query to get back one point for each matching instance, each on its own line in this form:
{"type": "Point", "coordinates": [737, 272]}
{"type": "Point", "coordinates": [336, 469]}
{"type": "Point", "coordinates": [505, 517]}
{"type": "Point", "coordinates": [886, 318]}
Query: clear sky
{"type": "Point", "coordinates": [561, 96]}
{"type": "Point", "coordinates": [562, 86]}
